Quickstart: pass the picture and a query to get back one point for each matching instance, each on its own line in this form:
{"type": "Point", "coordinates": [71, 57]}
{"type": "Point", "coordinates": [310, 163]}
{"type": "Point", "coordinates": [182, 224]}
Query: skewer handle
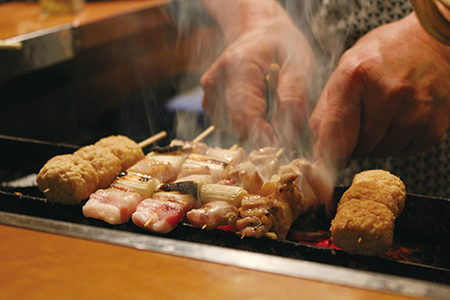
{"type": "Point", "coordinates": [272, 78]}
{"type": "Point", "coordinates": [204, 134]}
{"type": "Point", "coordinates": [279, 152]}
{"type": "Point", "coordinates": [152, 139]}
{"type": "Point", "coordinates": [272, 83]}
{"type": "Point", "coordinates": [235, 146]}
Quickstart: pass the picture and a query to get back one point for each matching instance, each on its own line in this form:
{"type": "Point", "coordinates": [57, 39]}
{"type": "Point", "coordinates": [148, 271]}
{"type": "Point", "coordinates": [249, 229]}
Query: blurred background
{"type": "Point", "coordinates": [114, 67]}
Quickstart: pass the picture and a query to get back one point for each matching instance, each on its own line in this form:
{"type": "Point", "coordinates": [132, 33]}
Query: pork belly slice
{"type": "Point", "coordinates": [158, 216]}
{"type": "Point", "coordinates": [213, 214]}
{"type": "Point", "coordinates": [114, 206]}
{"type": "Point", "coordinates": [185, 200]}
{"type": "Point", "coordinates": [167, 207]}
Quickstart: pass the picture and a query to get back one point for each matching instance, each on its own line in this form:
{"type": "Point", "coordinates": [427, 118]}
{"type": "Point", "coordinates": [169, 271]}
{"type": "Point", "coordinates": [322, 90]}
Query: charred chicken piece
{"type": "Point", "coordinates": [213, 214]}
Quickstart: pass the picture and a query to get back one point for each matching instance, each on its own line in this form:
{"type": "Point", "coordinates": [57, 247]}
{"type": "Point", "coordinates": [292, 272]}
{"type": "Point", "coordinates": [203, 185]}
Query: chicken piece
{"type": "Point", "coordinates": [254, 226]}
{"type": "Point", "coordinates": [264, 216]}
{"type": "Point", "coordinates": [67, 179]}
{"type": "Point", "coordinates": [363, 227]}
{"type": "Point", "coordinates": [266, 161]}
{"type": "Point", "coordinates": [293, 171]}
{"type": "Point", "coordinates": [202, 164]}
{"type": "Point", "coordinates": [165, 168]}
{"type": "Point", "coordinates": [112, 205]}
{"type": "Point", "coordinates": [232, 157]}
{"type": "Point", "coordinates": [287, 191]}
{"type": "Point", "coordinates": [257, 169]}
{"type": "Point", "coordinates": [105, 163]}
{"type": "Point", "coordinates": [185, 171]}
{"type": "Point", "coordinates": [127, 150]}
{"type": "Point", "coordinates": [213, 214]}
{"type": "Point", "coordinates": [158, 216]}
{"type": "Point", "coordinates": [190, 147]}
{"type": "Point", "coordinates": [250, 178]}
{"type": "Point", "coordinates": [196, 178]}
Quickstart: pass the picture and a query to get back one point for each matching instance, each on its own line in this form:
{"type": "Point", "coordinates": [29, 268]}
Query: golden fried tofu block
{"type": "Point", "coordinates": [105, 163]}
{"type": "Point", "coordinates": [390, 196]}
{"type": "Point", "coordinates": [363, 227]}
{"type": "Point", "coordinates": [67, 179]}
{"type": "Point", "coordinates": [127, 150]}
{"type": "Point", "coordinates": [364, 221]}
{"type": "Point", "coordinates": [390, 186]}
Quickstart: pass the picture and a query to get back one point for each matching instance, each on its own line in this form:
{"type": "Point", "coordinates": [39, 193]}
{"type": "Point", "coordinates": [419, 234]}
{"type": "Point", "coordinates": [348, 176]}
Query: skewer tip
{"type": "Point", "coordinates": [152, 139]}
{"type": "Point", "coordinates": [279, 152]}
{"type": "Point", "coordinates": [204, 134]}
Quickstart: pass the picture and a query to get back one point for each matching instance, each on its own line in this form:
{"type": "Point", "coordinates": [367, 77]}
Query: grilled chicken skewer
{"type": "Point", "coordinates": [138, 182]}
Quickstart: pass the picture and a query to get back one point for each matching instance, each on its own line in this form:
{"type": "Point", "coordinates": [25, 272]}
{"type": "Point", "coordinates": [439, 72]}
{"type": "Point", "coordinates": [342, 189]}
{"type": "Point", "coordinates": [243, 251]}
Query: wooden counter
{"type": "Point", "coordinates": [72, 73]}
{"type": "Point", "coordinates": [30, 41]}
{"type": "Point", "coordinates": [20, 18]}
{"type": "Point", "coordinates": [37, 265]}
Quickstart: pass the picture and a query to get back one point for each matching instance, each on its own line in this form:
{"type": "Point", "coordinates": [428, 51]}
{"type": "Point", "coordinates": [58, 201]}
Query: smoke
{"type": "Point", "coordinates": [324, 23]}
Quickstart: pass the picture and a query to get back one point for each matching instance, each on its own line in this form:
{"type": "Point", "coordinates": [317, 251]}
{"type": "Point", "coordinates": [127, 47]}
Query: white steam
{"type": "Point", "coordinates": [323, 22]}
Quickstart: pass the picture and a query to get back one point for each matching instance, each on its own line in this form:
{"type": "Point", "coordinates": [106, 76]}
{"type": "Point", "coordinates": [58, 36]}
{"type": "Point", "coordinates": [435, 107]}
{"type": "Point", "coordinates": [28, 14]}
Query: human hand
{"type": "Point", "coordinates": [389, 96]}
{"type": "Point", "coordinates": [235, 85]}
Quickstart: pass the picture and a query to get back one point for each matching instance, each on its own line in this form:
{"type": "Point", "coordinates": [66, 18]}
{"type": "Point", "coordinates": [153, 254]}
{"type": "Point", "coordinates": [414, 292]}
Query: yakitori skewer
{"type": "Point", "coordinates": [204, 134]}
{"type": "Point", "coordinates": [71, 178]}
{"type": "Point", "coordinates": [138, 184]}
{"type": "Point", "coordinates": [152, 139]}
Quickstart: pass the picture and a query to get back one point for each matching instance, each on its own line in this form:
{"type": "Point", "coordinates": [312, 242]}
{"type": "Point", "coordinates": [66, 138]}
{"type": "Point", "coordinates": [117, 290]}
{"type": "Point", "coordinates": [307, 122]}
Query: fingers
{"type": "Point", "coordinates": [290, 110]}
{"type": "Point", "coordinates": [235, 99]}
{"type": "Point", "coordinates": [414, 132]}
{"type": "Point", "coordinates": [336, 120]}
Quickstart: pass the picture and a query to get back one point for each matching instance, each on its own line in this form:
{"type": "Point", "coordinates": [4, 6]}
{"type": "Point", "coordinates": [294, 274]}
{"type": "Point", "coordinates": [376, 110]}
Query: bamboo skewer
{"type": "Point", "coordinates": [152, 139]}
{"type": "Point", "coordinates": [235, 146]}
{"type": "Point", "coordinates": [204, 134]}
{"type": "Point", "coordinates": [279, 152]}
{"type": "Point", "coordinates": [272, 83]}
{"type": "Point", "coordinates": [199, 138]}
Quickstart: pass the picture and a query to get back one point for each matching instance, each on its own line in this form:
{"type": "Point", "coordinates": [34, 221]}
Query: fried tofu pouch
{"type": "Point", "coordinates": [364, 221]}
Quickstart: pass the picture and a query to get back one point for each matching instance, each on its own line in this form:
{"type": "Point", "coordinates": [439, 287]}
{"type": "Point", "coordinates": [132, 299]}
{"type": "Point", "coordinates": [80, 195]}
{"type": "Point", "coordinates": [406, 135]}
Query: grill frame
{"type": "Point", "coordinates": [414, 227]}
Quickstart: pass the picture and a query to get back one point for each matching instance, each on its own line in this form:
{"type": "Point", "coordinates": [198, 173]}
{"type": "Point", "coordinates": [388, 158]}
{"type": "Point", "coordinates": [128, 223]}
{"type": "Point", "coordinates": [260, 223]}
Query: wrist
{"type": "Point", "coordinates": [420, 32]}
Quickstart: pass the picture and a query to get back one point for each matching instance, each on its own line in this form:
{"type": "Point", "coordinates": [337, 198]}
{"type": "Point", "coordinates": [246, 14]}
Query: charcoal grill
{"type": "Point", "coordinates": [418, 263]}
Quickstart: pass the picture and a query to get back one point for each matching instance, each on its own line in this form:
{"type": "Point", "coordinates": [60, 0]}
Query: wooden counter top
{"type": "Point", "coordinates": [37, 265]}
{"type": "Point", "coordinates": [19, 18]}
{"type": "Point", "coordinates": [31, 41]}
